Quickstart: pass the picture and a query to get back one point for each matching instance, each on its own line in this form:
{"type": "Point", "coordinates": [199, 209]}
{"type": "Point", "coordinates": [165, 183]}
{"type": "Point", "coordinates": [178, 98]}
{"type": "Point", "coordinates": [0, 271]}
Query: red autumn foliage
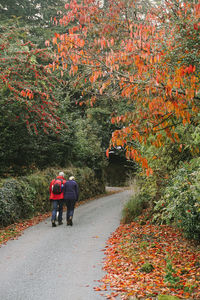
{"type": "Point", "coordinates": [27, 86]}
{"type": "Point", "coordinates": [123, 52]}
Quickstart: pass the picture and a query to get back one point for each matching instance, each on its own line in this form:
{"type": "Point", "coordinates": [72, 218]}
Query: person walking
{"type": "Point", "coordinates": [57, 198]}
{"type": "Point", "coordinates": [71, 194]}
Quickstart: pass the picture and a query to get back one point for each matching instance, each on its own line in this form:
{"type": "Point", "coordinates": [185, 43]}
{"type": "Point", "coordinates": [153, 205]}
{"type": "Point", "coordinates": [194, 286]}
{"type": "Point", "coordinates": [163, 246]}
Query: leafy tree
{"type": "Point", "coordinates": [140, 59]}
{"type": "Point", "coordinates": [23, 151]}
{"type": "Point", "coordinates": [32, 128]}
{"type": "Point", "coordinates": [40, 16]}
{"type": "Point", "coordinates": [87, 147]}
{"type": "Point", "coordinates": [35, 12]}
{"type": "Point", "coordinates": [27, 88]}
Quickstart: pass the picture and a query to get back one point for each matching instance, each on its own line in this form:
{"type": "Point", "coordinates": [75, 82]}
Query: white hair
{"type": "Point", "coordinates": [61, 174]}
{"type": "Point", "coordinates": [71, 178]}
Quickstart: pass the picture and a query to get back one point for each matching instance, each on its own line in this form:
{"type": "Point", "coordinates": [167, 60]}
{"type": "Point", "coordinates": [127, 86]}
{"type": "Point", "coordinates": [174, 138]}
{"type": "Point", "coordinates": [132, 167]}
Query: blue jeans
{"type": "Point", "coordinates": [57, 204]}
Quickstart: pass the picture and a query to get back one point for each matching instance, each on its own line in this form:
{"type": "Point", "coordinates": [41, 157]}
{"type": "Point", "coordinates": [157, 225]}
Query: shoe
{"type": "Point", "coordinates": [70, 221]}
{"type": "Point", "coordinates": [53, 224]}
{"type": "Point", "coordinates": [60, 223]}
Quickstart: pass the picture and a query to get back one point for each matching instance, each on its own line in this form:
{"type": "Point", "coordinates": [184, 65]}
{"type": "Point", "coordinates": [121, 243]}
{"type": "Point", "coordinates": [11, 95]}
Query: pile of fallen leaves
{"type": "Point", "coordinates": [144, 261]}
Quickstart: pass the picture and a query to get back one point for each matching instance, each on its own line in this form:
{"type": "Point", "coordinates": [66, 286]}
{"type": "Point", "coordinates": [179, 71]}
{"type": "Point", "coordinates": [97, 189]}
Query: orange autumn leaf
{"type": "Point", "coordinates": [136, 63]}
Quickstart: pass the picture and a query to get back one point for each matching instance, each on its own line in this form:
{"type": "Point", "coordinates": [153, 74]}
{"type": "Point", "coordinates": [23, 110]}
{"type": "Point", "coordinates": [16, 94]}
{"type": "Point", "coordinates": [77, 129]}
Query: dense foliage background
{"type": "Point", "coordinates": [146, 106]}
{"type": "Point", "coordinates": [47, 127]}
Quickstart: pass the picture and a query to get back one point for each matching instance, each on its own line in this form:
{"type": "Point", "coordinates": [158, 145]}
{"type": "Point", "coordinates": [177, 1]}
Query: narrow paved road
{"type": "Point", "coordinates": [62, 263]}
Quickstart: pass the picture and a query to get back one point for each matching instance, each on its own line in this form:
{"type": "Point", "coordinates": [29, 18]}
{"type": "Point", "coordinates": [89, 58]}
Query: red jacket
{"type": "Point", "coordinates": [54, 196]}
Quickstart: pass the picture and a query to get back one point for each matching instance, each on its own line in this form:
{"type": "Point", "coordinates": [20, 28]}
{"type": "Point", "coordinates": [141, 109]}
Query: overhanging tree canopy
{"type": "Point", "coordinates": [151, 60]}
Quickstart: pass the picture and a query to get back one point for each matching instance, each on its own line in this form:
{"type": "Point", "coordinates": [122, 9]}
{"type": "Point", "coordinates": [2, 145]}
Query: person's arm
{"type": "Point", "coordinates": [50, 187]}
{"type": "Point", "coordinates": [64, 188]}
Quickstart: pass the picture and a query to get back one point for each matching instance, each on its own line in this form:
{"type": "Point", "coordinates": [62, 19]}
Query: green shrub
{"type": "Point", "coordinates": [171, 274]}
{"type": "Point", "coordinates": [26, 196]}
{"type": "Point", "coordinates": [134, 207]}
{"type": "Point", "coordinates": [40, 184]}
{"type": "Point", "coordinates": [16, 201]}
{"type": "Point", "coordinates": [180, 203]}
{"type": "Point", "coordinates": [89, 185]}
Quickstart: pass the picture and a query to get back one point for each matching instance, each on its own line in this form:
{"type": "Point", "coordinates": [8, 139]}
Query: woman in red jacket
{"type": "Point", "coordinates": [57, 196]}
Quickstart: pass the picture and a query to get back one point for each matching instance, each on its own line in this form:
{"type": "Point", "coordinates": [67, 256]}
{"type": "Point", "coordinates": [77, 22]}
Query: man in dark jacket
{"type": "Point", "coordinates": [57, 199]}
{"type": "Point", "coordinates": [71, 194]}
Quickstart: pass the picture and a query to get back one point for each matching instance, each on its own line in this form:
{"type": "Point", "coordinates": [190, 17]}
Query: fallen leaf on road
{"type": "Point", "coordinates": [143, 261]}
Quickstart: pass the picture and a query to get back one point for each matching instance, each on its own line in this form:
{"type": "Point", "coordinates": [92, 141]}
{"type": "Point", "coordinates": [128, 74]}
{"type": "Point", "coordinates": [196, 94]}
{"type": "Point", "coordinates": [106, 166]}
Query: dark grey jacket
{"type": "Point", "coordinates": [71, 191]}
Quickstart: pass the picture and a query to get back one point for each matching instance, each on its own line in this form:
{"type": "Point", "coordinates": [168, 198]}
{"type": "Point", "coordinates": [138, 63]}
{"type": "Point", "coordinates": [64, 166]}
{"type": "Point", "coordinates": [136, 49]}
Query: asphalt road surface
{"type": "Point", "coordinates": [61, 263]}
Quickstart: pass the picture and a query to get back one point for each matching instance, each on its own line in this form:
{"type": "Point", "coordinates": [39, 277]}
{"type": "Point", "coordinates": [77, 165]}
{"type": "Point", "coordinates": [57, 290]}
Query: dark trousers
{"type": "Point", "coordinates": [70, 208]}
{"type": "Point", "coordinates": [57, 205]}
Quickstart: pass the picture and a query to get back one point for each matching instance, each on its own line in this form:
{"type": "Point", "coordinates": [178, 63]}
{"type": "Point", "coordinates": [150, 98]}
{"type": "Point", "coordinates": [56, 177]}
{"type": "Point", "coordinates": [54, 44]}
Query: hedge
{"type": "Point", "coordinates": [180, 203]}
{"type": "Point", "coordinates": [24, 197]}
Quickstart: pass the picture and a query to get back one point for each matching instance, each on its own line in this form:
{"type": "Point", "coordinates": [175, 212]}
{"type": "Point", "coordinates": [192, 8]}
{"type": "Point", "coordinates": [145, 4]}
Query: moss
{"type": "Point", "coordinates": [147, 268]}
{"type": "Point", "coordinates": [167, 297]}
